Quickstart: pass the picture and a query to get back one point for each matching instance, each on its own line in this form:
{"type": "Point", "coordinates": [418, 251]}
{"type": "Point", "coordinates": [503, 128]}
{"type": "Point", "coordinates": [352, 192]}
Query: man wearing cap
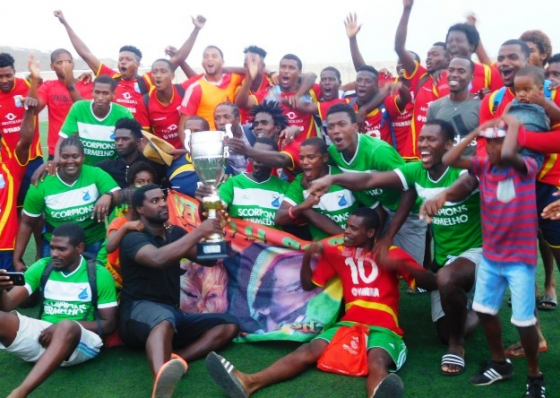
{"type": "Point", "coordinates": [128, 135]}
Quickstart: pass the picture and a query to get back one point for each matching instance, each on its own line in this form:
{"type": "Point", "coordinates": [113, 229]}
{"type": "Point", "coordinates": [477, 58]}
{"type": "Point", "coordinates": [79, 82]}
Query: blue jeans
{"type": "Point", "coordinates": [92, 249]}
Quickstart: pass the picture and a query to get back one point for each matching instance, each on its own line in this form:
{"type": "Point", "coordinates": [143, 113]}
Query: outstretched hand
{"type": "Point", "coordinates": [352, 27]}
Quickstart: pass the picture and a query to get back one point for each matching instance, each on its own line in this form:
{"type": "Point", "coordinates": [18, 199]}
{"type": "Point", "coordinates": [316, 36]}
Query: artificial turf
{"type": "Point", "coordinates": [122, 372]}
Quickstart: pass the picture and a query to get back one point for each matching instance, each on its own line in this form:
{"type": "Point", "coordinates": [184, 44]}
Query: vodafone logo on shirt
{"type": "Point", "coordinates": [127, 96]}
{"type": "Point", "coordinates": [10, 116]}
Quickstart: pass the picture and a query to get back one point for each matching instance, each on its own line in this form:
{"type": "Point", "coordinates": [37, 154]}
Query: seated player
{"type": "Point", "coordinates": [355, 264]}
{"type": "Point", "coordinates": [59, 338]}
{"type": "Point", "coordinates": [327, 215]}
{"type": "Point", "coordinates": [254, 196]}
{"type": "Point", "coordinates": [150, 316]}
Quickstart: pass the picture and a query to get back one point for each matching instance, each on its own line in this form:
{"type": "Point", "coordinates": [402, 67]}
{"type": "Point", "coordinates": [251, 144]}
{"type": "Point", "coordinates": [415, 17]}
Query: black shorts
{"type": "Point", "coordinates": [550, 228]}
{"type": "Point", "coordinates": [137, 321]}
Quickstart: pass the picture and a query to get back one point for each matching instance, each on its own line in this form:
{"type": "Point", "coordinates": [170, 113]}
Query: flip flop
{"type": "Point", "coordinates": [221, 370]}
{"type": "Point", "coordinates": [547, 303]}
{"type": "Point", "coordinates": [452, 359]}
{"type": "Point", "coordinates": [169, 376]}
{"type": "Point", "coordinates": [516, 350]}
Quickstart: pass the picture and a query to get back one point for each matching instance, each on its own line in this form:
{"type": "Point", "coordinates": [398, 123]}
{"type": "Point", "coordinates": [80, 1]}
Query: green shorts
{"type": "Point", "coordinates": [378, 338]}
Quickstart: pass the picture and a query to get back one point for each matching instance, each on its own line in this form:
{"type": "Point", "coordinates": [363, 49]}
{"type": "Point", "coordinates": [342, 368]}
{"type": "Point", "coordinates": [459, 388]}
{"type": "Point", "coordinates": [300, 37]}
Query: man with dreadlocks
{"type": "Point", "coordinates": [269, 121]}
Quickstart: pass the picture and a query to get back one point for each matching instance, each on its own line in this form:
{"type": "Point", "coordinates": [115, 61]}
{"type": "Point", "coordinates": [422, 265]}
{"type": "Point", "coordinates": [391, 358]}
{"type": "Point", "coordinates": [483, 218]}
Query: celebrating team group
{"type": "Point", "coordinates": [445, 174]}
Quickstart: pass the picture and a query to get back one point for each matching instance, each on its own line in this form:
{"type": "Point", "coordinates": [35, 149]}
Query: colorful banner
{"type": "Point", "coordinates": [259, 283]}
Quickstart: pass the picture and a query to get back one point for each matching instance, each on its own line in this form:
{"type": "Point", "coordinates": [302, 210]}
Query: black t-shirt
{"type": "Point", "coordinates": [118, 169]}
{"type": "Point", "coordinates": [161, 285]}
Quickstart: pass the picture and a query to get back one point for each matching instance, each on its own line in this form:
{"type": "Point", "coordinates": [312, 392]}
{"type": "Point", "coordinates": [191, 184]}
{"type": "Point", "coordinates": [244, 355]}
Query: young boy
{"type": "Point", "coordinates": [507, 196]}
{"type": "Point", "coordinates": [371, 294]}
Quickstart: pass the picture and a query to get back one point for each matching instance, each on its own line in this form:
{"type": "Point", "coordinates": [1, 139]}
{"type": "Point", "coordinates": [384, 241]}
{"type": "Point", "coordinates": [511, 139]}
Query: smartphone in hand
{"type": "Point", "coordinates": [16, 277]}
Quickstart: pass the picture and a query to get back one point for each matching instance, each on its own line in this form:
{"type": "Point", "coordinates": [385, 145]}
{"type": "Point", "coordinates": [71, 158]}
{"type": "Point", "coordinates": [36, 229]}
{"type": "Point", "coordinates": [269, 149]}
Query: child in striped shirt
{"type": "Point", "coordinates": [509, 230]}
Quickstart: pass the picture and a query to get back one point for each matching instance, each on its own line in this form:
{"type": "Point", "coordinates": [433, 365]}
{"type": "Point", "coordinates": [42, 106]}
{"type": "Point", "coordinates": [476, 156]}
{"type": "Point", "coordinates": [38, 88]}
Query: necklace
{"type": "Point", "coordinates": [456, 107]}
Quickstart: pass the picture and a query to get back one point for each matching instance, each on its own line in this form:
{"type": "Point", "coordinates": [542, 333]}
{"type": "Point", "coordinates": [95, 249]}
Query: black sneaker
{"type": "Point", "coordinates": [535, 387]}
{"type": "Point", "coordinates": [491, 372]}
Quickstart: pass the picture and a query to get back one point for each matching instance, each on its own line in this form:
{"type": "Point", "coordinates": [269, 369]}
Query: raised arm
{"type": "Point", "coordinates": [243, 99]}
{"type": "Point", "coordinates": [27, 131]}
{"type": "Point", "coordinates": [35, 78]}
{"type": "Point", "coordinates": [453, 156]}
{"type": "Point", "coordinates": [183, 52]}
{"type": "Point", "coordinates": [80, 47]}
{"type": "Point", "coordinates": [481, 53]}
{"type": "Point", "coordinates": [406, 58]}
{"type": "Point", "coordinates": [352, 29]}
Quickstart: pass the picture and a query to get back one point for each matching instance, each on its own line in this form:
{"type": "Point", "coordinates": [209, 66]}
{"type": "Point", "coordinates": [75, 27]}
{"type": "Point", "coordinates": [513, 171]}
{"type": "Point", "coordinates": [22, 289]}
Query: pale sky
{"type": "Point", "coordinates": [313, 30]}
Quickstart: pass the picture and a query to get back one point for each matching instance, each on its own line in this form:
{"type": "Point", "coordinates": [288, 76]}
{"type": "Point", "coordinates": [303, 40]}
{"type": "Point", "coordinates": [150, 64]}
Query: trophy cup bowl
{"type": "Point", "coordinates": [208, 154]}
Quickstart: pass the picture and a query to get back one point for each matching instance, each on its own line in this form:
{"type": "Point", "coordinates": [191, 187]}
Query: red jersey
{"type": "Point", "coordinates": [56, 97]}
{"type": "Point", "coordinates": [323, 107]}
{"type": "Point", "coordinates": [244, 113]}
{"type": "Point", "coordinates": [376, 125]}
{"type": "Point", "coordinates": [164, 119]}
{"type": "Point", "coordinates": [11, 116]}
{"type": "Point", "coordinates": [11, 175]}
{"type": "Point", "coordinates": [424, 92]}
{"type": "Point", "coordinates": [371, 292]}
{"type": "Point", "coordinates": [129, 93]}
{"type": "Point", "coordinates": [304, 121]}
{"type": "Point", "coordinates": [202, 97]}
{"type": "Point", "coordinates": [401, 121]}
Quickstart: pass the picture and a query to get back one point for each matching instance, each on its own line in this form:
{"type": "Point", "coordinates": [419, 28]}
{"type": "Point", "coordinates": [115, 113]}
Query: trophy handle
{"type": "Point", "coordinates": [188, 140]}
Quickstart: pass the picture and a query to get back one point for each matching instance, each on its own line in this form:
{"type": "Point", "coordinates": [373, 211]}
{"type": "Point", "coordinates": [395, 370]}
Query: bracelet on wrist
{"type": "Point", "coordinates": [291, 214]}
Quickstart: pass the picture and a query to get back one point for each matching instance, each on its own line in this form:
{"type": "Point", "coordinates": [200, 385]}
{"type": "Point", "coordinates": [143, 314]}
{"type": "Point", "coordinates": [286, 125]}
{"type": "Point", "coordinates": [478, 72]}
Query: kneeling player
{"type": "Point", "coordinates": [359, 271]}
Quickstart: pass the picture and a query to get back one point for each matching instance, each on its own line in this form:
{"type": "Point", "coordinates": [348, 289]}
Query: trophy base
{"type": "Point", "coordinates": [211, 250]}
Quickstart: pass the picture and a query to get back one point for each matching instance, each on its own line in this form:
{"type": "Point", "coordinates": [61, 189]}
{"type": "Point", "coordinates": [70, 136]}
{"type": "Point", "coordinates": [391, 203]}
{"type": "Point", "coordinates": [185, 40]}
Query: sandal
{"type": "Point", "coordinates": [452, 359]}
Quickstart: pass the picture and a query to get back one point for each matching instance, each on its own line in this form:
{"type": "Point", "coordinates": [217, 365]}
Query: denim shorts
{"type": "Point", "coordinates": [493, 278]}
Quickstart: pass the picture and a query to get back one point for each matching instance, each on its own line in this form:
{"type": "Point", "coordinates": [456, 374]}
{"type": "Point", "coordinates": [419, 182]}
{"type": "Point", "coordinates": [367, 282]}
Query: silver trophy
{"type": "Point", "coordinates": [209, 152]}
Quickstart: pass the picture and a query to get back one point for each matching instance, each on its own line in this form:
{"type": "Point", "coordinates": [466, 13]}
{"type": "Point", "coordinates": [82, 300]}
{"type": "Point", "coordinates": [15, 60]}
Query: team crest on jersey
{"type": "Point", "coordinates": [112, 136]}
{"type": "Point", "coordinates": [136, 87]}
{"type": "Point", "coordinates": [83, 295]}
{"type": "Point", "coordinates": [18, 100]}
{"type": "Point", "coordinates": [276, 201]}
{"type": "Point", "coordinates": [87, 196]}
{"type": "Point", "coordinates": [342, 201]}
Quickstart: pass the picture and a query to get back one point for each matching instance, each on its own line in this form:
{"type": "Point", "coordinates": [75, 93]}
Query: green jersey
{"type": "Point", "coordinates": [97, 135]}
{"type": "Point", "coordinates": [68, 296]}
{"type": "Point", "coordinates": [251, 200]}
{"type": "Point", "coordinates": [62, 203]}
{"type": "Point", "coordinates": [336, 204]}
{"type": "Point", "coordinates": [456, 227]}
{"type": "Point", "coordinates": [372, 154]}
